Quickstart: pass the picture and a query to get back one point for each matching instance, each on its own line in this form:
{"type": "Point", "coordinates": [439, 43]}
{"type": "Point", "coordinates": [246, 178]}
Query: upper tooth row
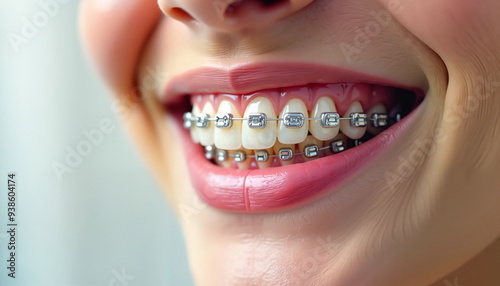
{"type": "Point", "coordinates": [290, 120]}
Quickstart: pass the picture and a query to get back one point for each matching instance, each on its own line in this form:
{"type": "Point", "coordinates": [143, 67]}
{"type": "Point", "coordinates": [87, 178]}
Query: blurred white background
{"type": "Point", "coordinates": [106, 218]}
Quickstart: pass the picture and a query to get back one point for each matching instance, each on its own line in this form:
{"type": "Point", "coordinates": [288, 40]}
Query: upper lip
{"type": "Point", "coordinates": [254, 76]}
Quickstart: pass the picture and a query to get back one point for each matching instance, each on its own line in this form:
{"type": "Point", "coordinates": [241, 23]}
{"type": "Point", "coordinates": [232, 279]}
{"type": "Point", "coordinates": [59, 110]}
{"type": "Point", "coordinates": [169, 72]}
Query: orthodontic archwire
{"type": "Point", "coordinates": [290, 120]}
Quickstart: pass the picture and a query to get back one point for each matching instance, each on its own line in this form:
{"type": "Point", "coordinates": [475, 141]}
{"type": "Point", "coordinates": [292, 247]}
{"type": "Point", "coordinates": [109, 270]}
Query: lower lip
{"type": "Point", "coordinates": [273, 189]}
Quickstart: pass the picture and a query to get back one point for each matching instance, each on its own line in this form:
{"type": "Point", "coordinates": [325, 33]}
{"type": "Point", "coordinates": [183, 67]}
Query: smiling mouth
{"type": "Point", "coordinates": [279, 127]}
{"type": "Point", "coordinates": [265, 137]}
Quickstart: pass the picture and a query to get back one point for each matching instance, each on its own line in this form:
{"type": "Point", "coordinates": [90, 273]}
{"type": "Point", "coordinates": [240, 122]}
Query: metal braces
{"type": "Point", "coordinates": [290, 120]}
{"type": "Point", "coordinates": [285, 154]}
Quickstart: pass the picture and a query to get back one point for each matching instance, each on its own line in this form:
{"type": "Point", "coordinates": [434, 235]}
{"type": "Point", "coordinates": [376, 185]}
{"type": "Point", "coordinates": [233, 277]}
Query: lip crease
{"type": "Point", "coordinates": [273, 189]}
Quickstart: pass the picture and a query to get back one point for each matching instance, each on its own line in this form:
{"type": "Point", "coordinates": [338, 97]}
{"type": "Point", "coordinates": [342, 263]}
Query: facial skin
{"type": "Point", "coordinates": [440, 222]}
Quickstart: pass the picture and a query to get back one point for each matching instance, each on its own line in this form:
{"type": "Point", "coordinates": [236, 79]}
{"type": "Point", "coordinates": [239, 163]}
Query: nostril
{"type": "Point", "coordinates": [180, 14]}
{"type": "Point", "coordinates": [246, 6]}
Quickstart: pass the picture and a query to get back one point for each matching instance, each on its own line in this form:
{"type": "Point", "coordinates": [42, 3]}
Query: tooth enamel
{"type": "Point", "coordinates": [206, 134]}
{"type": "Point", "coordinates": [293, 135]}
{"type": "Point", "coordinates": [259, 138]}
{"type": "Point", "coordinates": [310, 141]}
{"type": "Point", "coordinates": [345, 125]}
{"type": "Point", "coordinates": [195, 135]}
{"type": "Point", "coordinates": [324, 104]}
{"type": "Point", "coordinates": [228, 138]}
{"type": "Point", "coordinates": [378, 108]}
{"type": "Point", "coordinates": [279, 146]}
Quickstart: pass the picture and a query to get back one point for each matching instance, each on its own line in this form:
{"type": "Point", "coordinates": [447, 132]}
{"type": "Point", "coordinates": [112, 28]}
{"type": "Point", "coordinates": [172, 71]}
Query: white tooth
{"type": "Point", "coordinates": [228, 138]}
{"type": "Point", "coordinates": [259, 138]}
{"type": "Point", "coordinates": [288, 135]}
{"type": "Point", "coordinates": [324, 104]}
{"type": "Point", "coordinates": [345, 125]}
{"type": "Point", "coordinates": [207, 134]}
{"type": "Point", "coordinates": [379, 108]}
{"type": "Point", "coordinates": [195, 135]}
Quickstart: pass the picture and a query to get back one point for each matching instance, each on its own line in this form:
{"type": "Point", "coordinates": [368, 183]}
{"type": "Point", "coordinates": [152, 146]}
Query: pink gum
{"type": "Point", "coordinates": [343, 95]}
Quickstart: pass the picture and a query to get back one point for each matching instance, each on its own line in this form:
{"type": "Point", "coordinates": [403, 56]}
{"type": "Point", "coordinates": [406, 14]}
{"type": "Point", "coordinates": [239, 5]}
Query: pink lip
{"type": "Point", "coordinates": [277, 188]}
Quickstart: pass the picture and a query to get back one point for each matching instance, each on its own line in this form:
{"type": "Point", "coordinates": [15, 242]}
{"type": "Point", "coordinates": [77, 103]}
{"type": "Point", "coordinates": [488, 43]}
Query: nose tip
{"type": "Point", "coordinates": [231, 15]}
